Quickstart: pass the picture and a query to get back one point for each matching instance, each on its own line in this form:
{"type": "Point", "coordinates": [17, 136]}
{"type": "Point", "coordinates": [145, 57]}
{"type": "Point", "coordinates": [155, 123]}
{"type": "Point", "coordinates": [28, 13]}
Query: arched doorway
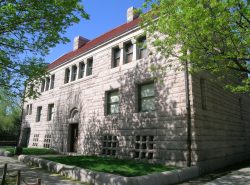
{"type": "Point", "coordinates": [73, 130]}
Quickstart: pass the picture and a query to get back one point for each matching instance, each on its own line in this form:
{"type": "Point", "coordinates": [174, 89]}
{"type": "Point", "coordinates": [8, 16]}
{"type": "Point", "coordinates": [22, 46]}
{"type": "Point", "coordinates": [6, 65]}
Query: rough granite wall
{"type": "Point", "coordinates": [221, 132]}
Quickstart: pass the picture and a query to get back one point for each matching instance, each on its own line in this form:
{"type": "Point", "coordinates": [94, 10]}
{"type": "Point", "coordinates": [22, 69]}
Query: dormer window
{"type": "Point", "coordinates": [142, 47]}
{"type": "Point", "coordinates": [128, 49]}
{"type": "Point", "coordinates": [116, 57]}
{"type": "Point", "coordinates": [74, 72]}
{"type": "Point", "coordinates": [66, 77]}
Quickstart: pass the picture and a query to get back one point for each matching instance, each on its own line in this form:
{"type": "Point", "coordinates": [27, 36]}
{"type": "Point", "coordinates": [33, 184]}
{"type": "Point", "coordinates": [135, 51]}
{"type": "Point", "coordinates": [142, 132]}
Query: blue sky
{"type": "Point", "coordinates": [104, 16]}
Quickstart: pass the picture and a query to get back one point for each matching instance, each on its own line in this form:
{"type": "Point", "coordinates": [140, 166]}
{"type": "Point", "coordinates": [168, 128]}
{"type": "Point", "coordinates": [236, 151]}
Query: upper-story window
{"type": "Point", "coordinates": [30, 112]}
{"type": "Point", "coordinates": [74, 72]}
{"type": "Point", "coordinates": [38, 114]}
{"type": "Point", "coordinates": [43, 85]}
{"type": "Point", "coordinates": [142, 47]}
{"type": "Point", "coordinates": [116, 57]}
{"type": "Point", "coordinates": [81, 69]}
{"type": "Point", "coordinates": [27, 109]}
{"type": "Point", "coordinates": [52, 82]}
{"type": "Point", "coordinates": [146, 97]}
{"type": "Point", "coordinates": [89, 66]}
{"type": "Point", "coordinates": [50, 112]}
{"type": "Point", "coordinates": [128, 52]}
{"type": "Point", "coordinates": [113, 102]}
{"type": "Point", "coordinates": [66, 77]}
{"type": "Point", "coordinates": [47, 83]}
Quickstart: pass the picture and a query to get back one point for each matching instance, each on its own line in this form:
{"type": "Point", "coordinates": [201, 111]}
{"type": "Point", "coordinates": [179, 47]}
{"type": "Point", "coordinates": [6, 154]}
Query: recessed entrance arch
{"type": "Point", "coordinates": [73, 130]}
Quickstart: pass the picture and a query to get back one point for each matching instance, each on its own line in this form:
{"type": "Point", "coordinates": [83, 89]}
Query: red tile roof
{"type": "Point", "coordinates": [95, 42]}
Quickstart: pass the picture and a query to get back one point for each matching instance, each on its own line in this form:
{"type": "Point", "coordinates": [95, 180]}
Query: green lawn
{"type": "Point", "coordinates": [32, 151]}
{"type": "Point", "coordinates": [128, 168]}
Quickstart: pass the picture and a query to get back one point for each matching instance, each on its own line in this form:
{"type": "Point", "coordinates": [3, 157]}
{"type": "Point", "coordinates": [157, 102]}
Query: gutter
{"type": "Point", "coordinates": [188, 116]}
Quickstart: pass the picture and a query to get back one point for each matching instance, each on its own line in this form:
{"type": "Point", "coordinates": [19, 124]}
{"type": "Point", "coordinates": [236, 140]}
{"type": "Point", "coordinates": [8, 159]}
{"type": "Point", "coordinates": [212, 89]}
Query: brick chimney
{"type": "Point", "coordinates": [131, 14]}
{"type": "Point", "coordinates": [79, 41]}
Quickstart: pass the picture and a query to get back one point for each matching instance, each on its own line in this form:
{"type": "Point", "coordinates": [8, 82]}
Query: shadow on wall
{"type": "Point", "coordinates": [167, 124]}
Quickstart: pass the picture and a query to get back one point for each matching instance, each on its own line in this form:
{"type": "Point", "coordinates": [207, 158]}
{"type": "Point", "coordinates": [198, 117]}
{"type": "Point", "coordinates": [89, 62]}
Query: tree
{"type": "Point", "coordinates": [214, 36]}
{"type": "Point", "coordinates": [28, 29]}
{"type": "Point", "coordinates": [10, 117]}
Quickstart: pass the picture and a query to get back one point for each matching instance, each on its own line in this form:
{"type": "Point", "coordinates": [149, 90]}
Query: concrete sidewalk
{"type": "Point", "coordinates": [30, 174]}
{"type": "Point", "coordinates": [238, 177]}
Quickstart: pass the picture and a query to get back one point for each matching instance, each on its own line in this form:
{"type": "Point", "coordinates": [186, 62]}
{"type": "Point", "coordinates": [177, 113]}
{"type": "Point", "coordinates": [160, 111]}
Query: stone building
{"type": "Point", "coordinates": [103, 98]}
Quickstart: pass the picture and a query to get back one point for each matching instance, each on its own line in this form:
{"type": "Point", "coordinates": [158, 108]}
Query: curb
{"type": "Point", "coordinates": [5, 153]}
{"type": "Point", "coordinates": [100, 178]}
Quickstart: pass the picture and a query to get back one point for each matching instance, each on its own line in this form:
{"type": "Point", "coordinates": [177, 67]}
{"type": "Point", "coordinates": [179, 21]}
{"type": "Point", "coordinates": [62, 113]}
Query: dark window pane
{"type": "Point", "coordinates": [116, 57]}
{"type": "Point", "coordinates": [89, 66]}
{"type": "Point", "coordinates": [52, 82]}
{"type": "Point", "coordinates": [142, 48]}
{"type": "Point", "coordinates": [66, 77]}
{"type": "Point", "coordinates": [128, 52]}
{"type": "Point", "coordinates": [73, 74]}
{"type": "Point", "coordinates": [81, 70]}
{"type": "Point", "coordinates": [47, 83]}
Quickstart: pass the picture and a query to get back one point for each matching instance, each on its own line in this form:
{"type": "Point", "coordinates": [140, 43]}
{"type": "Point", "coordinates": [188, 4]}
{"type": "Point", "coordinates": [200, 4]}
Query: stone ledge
{"type": "Point", "coordinates": [5, 153]}
{"type": "Point", "coordinates": [100, 178]}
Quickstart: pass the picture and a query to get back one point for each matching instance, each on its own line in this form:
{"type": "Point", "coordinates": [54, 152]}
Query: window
{"type": "Point", "coordinates": [47, 141]}
{"type": "Point", "coordinates": [81, 70]}
{"type": "Point", "coordinates": [203, 94]}
{"type": "Point", "coordinates": [52, 82]}
{"type": "Point", "coordinates": [116, 57]}
{"type": "Point", "coordinates": [128, 52]}
{"type": "Point", "coordinates": [113, 102]}
{"type": "Point", "coordinates": [144, 146]}
{"type": "Point", "coordinates": [73, 74]}
{"type": "Point", "coordinates": [38, 114]}
{"type": "Point", "coordinates": [146, 97]}
{"type": "Point", "coordinates": [42, 85]}
{"type": "Point", "coordinates": [35, 139]}
{"type": "Point", "coordinates": [27, 109]}
{"type": "Point", "coordinates": [30, 109]}
{"type": "Point", "coordinates": [47, 83]}
{"type": "Point", "coordinates": [89, 66]}
{"type": "Point", "coordinates": [50, 112]}
{"type": "Point", "coordinates": [109, 145]}
{"type": "Point", "coordinates": [66, 77]}
{"type": "Point", "coordinates": [142, 48]}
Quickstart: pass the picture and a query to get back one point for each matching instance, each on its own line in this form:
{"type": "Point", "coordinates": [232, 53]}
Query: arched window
{"type": "Point", "coordinates": [74, 114]}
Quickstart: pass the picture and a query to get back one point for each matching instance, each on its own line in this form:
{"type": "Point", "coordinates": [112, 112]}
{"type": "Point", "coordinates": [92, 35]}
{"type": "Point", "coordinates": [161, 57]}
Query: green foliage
{"type": "Point", "coordinates": [214, 36]}
{"type": "Point", "coordinates": [28, 29]}
{"type": "Point", "coordinates": [33, 151]}
{"type": "Point", "coordinates": [10, 112]}
{"type": "Point", "coordinates": [126, 168]}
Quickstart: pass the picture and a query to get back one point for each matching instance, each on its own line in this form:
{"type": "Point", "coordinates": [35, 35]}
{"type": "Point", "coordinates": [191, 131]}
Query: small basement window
{"type": "Point", "coordinates": [47, 141]}
{"type": "Point", "coordinates": [109, 145]}
{"type": "Point", "coordinates": [144, 147]}
{"type": "Point", "coordinates": [35, 140]}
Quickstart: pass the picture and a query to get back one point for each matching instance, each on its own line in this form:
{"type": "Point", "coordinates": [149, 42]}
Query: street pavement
{"type": "Point", "coordinates": [30, 174]}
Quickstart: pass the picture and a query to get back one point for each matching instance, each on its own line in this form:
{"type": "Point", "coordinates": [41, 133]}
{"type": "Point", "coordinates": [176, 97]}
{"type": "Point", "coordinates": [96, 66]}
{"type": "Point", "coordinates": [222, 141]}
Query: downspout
{"type": "Point", "coordinates": [188, 116]}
